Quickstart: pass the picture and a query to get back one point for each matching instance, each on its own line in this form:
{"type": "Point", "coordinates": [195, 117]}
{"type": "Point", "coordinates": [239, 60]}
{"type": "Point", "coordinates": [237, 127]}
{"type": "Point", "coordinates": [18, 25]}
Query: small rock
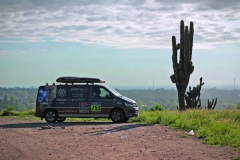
{"type": "Point", "coordinates": [46, 127]}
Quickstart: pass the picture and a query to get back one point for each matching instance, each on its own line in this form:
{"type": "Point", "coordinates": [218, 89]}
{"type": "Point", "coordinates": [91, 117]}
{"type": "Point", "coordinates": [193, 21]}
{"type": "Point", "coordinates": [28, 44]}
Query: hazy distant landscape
{"type": "Point", "coordinates": [168, 87]}
{"type": "Point", "coordinates": [24, 98]}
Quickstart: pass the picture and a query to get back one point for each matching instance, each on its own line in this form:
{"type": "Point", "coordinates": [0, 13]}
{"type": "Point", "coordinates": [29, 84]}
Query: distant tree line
{"type": "Point", "coordinates": [25, 98]}
{"type": "Point", "coordinates": [168, 98]}
{"type": "Point", "coordinates": [19, 98]}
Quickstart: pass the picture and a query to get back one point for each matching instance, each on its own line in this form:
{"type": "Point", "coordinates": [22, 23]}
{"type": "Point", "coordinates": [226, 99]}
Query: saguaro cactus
{"type": "Point", "coordinates": [184, 68]}
{"type": "Point", "coordinates": [193, 96]}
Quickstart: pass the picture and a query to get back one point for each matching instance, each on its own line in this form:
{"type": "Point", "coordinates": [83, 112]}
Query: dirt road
{"type": "Point", "coordinates": [101, 140]}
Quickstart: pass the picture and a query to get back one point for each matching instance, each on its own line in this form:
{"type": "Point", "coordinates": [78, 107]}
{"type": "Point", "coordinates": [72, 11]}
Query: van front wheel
{"type": "Point", "coordinates": [117, 116]}
{"type": "Point", "coordinates": [51, 116]}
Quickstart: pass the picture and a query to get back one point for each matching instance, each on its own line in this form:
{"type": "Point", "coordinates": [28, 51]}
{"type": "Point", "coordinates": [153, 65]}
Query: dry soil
{"type": "Point", "coordinates": [23, 140]}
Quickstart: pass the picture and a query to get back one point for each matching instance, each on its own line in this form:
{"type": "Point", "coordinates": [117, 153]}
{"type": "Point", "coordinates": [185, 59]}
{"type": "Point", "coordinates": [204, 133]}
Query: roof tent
{"type": "Point", "coordinates": [79, 80]}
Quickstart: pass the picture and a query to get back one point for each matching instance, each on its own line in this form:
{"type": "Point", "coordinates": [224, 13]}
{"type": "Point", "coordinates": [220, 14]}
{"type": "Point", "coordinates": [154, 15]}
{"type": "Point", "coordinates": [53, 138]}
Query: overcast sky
{"type": "Point", "coordinates": [125, 42]}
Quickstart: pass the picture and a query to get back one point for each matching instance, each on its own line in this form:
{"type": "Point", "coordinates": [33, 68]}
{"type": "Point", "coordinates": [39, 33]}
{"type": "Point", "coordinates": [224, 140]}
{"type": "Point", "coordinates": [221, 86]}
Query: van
{"type": "Point", "coordinates": [83, 97]}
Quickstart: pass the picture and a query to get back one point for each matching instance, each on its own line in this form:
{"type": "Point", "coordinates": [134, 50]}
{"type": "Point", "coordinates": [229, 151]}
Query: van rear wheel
{"type": "Point", "coordinates": [61, 119]}
{"type": "Point", "coordinates": [51, 116]}
{"type": "Point", "coordinates": [117, 116]}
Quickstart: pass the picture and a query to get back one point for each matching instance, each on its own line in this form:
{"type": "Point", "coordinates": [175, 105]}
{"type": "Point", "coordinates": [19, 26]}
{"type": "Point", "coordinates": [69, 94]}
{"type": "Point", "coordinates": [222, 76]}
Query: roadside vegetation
{"type": "Point", "coordinates": [11, 113]}
{"type": "Point", "coordinates": [214, 127]}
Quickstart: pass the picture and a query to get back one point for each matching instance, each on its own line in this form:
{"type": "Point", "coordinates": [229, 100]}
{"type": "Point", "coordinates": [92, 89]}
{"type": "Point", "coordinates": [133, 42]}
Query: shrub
{"type": "Point", "coordinates": [157, 107]}
{"type": "Point", "coordinates": [9, 111]}
{"type": "Point", "coordinates": [27, 113]}
{"type": "Point", "coordinates": [238, 106]}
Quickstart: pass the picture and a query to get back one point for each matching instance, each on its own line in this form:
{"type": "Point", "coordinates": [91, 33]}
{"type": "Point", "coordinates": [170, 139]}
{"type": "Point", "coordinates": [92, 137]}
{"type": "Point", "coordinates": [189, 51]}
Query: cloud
{"type": "Point", "coordinates": [2, 52]}
{"type": "Point", "coordinates": [123, 24]}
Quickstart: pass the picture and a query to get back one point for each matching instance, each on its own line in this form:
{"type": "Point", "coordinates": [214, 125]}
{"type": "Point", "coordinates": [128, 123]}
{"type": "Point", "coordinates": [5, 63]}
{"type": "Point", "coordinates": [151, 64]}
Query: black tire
{"type": "Point", "coordinates": [117, 116]}
{"type": "Point", "coordinates": [51, 116]}
{"type": "Point", "coordinates": [61, 119]}
{"type": "Point", "coordinates": [125, 120]}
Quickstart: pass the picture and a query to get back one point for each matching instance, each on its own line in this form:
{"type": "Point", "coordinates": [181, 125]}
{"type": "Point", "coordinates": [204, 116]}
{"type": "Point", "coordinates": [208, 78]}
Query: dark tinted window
{"type": "Point", "coordinates": [100, 92]}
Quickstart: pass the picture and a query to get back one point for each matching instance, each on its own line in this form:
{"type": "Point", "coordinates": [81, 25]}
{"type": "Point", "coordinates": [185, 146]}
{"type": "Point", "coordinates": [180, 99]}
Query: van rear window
{"type": "Point", "coordinates": [42, 94]}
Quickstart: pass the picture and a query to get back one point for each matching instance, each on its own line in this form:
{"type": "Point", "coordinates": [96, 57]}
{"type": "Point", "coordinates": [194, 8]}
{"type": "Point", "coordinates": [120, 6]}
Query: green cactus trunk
{"type": "Point", "coordinates": [184, 68]}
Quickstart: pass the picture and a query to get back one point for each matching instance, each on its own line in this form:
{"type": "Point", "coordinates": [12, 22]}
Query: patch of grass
{"type": "Point", "coordinates": [219, 127]}
{"type": "Point", "coordinates": [9, 111]}
{"type": "Point", "coordinates": [183, 135]}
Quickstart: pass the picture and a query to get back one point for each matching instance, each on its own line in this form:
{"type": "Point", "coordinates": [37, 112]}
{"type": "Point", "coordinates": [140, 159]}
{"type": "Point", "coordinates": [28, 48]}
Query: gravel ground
{"type": "Point", "coordinates": [24, 140]}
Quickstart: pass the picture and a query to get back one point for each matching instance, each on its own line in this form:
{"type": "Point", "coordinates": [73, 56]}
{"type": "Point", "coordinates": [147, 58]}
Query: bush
{"type": "Point", "coordinates": [157, 107]}
{"type": "Point", "coordinates": [238, 106]}
{"type": "Point", "coordinates": [9, 111]}
{"type": "Point", "coordinates": [27, 113]}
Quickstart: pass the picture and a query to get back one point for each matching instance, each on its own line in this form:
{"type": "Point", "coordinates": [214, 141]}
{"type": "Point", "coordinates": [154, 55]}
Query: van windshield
{"type": "Point", "coordinates": [113, 91]}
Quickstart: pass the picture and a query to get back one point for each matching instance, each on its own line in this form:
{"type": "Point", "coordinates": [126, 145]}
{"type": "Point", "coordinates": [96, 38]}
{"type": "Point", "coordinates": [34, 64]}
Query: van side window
{"type": "Point", "coordinates": [100, 92]}
{"type": "Point", "coordinates": [79, 92]}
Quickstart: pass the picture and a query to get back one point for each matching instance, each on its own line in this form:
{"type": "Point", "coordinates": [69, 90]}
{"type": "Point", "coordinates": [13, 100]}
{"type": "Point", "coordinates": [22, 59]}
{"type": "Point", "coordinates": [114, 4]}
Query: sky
{"type": "Point", "coordinates": [126, 43]}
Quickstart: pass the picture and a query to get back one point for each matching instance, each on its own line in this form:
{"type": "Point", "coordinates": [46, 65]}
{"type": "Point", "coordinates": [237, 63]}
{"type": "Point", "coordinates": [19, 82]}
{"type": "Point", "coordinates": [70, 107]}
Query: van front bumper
{"type": "Point", "coordinates": [133, 112]}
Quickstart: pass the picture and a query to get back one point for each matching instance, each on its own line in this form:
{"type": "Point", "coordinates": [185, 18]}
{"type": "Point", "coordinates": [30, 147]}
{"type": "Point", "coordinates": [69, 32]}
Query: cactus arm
{"type": "Point", "coordinates": [182, 42]}
{"type": "Point", "coordinates": [174, 77]}
{"type": "Point", "coordinates": [191, 39]}
{"type": "Point", "coordinates": [211, 105]}
{"type": "Point", "coordinates": [214, 103]}
{"type": "Point", "coordinates": [186, 53]}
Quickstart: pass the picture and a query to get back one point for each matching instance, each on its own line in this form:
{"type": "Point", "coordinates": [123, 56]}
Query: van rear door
{"type": "Point", "coordinates": [41, 101]}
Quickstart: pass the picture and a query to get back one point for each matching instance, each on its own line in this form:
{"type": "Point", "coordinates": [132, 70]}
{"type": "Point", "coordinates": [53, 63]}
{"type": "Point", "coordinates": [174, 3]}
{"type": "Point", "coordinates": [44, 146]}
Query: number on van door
{"type": "Point", "coordinates": [102, 102]}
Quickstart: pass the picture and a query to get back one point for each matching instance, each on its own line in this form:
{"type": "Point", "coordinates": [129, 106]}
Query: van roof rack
{"type": "Point", "coordinates": [79, 80]}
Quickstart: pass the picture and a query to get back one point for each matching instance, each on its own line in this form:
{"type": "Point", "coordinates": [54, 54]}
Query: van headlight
{"type": "Point", "coordinates": [128, 104]}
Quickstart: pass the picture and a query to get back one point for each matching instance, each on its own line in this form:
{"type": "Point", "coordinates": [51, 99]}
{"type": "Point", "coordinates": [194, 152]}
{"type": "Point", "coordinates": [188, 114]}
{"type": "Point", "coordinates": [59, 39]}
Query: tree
{"type": "Point", "coordinates": [16, 104]}
{"type": "Point", "coordinates": [12, 101]}
{"type": "Point", "coordinates": [1, 103]}
{"type": "Point", "coordinates": [5, 100]}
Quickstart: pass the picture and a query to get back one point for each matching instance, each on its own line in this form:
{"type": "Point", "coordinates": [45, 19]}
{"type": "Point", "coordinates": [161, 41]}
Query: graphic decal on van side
{"type": "Point", "coordinates": [42, 97]}
{"type": "Point", "coordinates": [62, 92]}
{"type": "Point", "coordinates": [46, 95]}
{"type": "Point", "coordinates": [96, 107]}
{"type": "Point", "coordinates": [83, 107]}
{"type": "Point", "coordinates": [51, 94]}
{"type": "Point", "coordinates": [78, 92]}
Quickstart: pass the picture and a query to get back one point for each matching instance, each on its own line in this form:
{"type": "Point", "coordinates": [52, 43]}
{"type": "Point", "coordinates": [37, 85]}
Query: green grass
{"type": "Point", "coordinates": [9, 113]}
{"type": "Point", "coordinates": [219, 127]}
